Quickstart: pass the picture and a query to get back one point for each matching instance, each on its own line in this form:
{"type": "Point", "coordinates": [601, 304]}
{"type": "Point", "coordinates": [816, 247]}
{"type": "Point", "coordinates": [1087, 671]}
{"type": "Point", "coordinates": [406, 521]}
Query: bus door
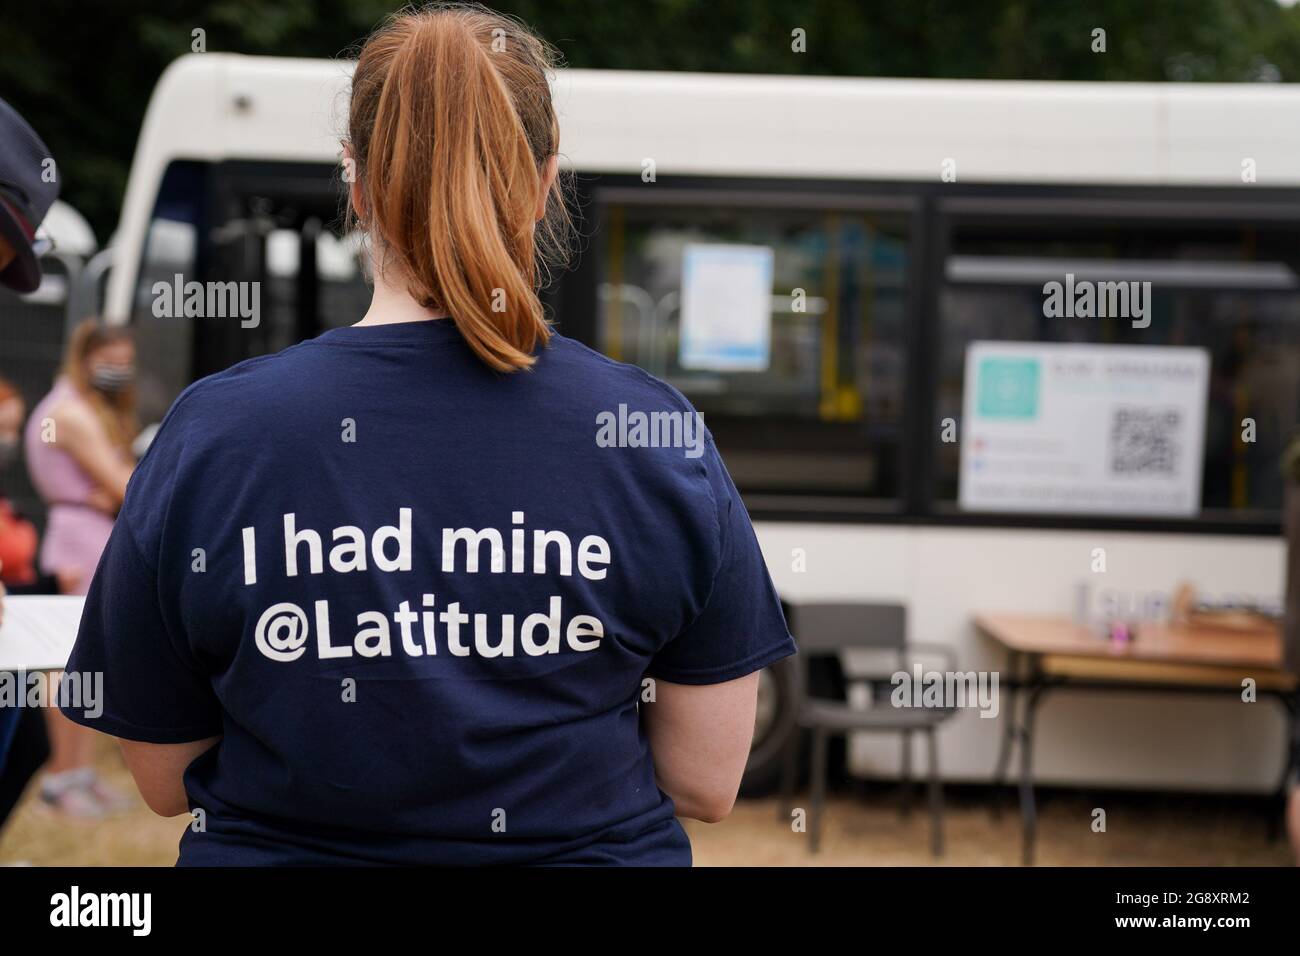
{"type": "Point", "coordinates": [260, 244]}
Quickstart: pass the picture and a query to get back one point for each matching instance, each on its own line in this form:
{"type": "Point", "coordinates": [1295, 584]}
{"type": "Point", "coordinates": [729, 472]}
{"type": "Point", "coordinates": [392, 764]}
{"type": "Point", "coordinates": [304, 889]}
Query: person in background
{"type": "Point", "coordinates": [28, 188]}
{"type": "Point", "coordinates": [78, 445]}
{"type": "Point", "coordinates": [29, 745]}
{"type": "Point", "coordinates": [18, 537]}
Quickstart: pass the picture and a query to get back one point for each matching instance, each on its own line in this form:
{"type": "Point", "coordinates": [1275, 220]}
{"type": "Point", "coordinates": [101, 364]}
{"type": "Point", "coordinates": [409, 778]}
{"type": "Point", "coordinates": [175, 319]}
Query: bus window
{"type": "Point", "coordinates": [1229, 288]}
{"type": "Point", "coordinates": [270, 228]}
{"type": "Point", "coordinates": [821, 413]}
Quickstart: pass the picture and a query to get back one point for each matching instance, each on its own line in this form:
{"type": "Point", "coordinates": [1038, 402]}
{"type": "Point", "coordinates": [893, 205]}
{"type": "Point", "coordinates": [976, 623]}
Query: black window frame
{"type": "Point", "coordinates": [596, 193]}
{"type": "Point", "coordinates": [931, 209]}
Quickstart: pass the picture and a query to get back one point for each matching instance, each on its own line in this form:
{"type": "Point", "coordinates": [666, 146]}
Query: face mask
{"type": "Point", "coordinates": [111, 378]}
{"type": "Point", "coordinates": [8, 451]}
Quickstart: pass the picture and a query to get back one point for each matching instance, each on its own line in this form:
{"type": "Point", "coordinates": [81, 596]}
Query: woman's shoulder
{"type": "Point", "coordinates": [245, 384]}
{"type": "Point", "coordinates": [65, 406]}
{"type": "Point", "coordinates": [619, 380]}
{"type": "Point", "coordinates": [237, 404]}
{"type": "Point", "coordinates": [627, 407]}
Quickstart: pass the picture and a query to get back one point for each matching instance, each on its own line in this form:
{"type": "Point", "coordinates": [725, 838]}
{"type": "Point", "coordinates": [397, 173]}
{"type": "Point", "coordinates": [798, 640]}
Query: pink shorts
{"type": "Point", "coordinates": [74, 539]}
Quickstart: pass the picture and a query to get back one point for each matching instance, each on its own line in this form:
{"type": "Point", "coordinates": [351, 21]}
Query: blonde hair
{"type": "Point", "coordinates": [116, 413]}
{"type": "Point", "coordinates": [451, 126]}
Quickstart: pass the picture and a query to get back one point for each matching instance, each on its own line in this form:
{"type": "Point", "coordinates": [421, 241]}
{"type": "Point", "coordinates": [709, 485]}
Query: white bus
{"type": "Point", "coordinates": [916, 217]}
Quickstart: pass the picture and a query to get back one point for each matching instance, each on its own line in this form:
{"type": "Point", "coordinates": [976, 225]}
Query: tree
{"type": "Point", "coordinates": [82, 72]}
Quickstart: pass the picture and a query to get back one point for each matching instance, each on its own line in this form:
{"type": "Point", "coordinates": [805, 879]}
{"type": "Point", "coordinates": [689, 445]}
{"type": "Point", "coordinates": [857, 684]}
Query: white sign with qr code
{"type": "Point", "coordinates": [1083, 429]}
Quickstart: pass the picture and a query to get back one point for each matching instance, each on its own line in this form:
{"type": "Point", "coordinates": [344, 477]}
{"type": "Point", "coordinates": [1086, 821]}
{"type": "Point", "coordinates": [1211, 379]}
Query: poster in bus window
{"type": "Point", "coordinates": [1083, 429]}
{"type": "Point", "coordinates": [726, 307]}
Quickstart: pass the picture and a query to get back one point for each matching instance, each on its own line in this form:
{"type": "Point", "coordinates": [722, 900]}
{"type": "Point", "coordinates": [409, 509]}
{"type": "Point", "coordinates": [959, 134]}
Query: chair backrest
{"type": "Point", "coordinates": [826, 628]}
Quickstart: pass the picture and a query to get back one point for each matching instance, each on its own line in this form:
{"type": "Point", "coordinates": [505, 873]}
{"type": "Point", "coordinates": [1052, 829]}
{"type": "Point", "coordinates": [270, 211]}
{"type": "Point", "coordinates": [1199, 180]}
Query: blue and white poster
{"type": "Point", "coordinates": [726, 310]}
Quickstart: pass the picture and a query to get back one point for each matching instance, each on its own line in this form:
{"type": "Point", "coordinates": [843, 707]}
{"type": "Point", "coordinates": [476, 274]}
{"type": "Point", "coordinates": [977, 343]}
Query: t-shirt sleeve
{"type": "Point", "coordinates": [131, 635]}
{"type": "Point", "coordinates": [741, 628]}
{"type": "Point", "coordinates": [152, 690]}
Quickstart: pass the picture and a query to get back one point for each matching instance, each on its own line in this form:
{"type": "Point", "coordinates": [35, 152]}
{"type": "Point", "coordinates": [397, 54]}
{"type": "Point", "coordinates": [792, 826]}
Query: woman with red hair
{"type": "Point", "coordinates": [449, 688]}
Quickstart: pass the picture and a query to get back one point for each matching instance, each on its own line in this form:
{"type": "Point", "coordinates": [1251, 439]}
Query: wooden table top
{"type": "Point", "coordinates": [1162, 643]}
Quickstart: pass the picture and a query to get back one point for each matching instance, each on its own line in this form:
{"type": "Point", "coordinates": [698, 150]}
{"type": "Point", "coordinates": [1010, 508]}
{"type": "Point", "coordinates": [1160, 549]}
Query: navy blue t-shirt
{"type": "Point", "coordinates": [419, 600]}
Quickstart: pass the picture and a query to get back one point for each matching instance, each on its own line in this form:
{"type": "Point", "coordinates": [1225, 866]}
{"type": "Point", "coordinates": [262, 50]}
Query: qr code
{"type": "Point", "coordinates": [1144, 441]}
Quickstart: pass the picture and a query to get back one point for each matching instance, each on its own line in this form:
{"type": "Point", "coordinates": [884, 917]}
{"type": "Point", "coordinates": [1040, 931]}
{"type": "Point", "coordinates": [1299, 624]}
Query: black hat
{"type": "Point", "coordinates": [25, 196]}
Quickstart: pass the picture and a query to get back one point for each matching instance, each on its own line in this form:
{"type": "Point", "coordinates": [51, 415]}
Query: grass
{"type": "Point", "coordinates": [862, 827]}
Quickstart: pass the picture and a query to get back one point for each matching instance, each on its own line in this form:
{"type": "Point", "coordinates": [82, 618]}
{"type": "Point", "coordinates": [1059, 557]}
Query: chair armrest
{"type": "Point", "coordinates": [919, 649]}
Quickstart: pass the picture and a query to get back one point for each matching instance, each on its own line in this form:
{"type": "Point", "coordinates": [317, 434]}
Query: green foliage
{"type": "Point", "coordinates": [82, 71]}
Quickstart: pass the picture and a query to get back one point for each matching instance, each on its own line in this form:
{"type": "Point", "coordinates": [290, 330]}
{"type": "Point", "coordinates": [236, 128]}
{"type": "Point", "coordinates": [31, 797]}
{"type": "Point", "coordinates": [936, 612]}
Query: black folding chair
{"type": "Point", "coordinates": [828, 630]}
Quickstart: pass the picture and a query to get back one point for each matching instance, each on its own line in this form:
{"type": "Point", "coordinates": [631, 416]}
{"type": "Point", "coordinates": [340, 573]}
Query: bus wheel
{"type": "Point", "coordinates": [774, 725]}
